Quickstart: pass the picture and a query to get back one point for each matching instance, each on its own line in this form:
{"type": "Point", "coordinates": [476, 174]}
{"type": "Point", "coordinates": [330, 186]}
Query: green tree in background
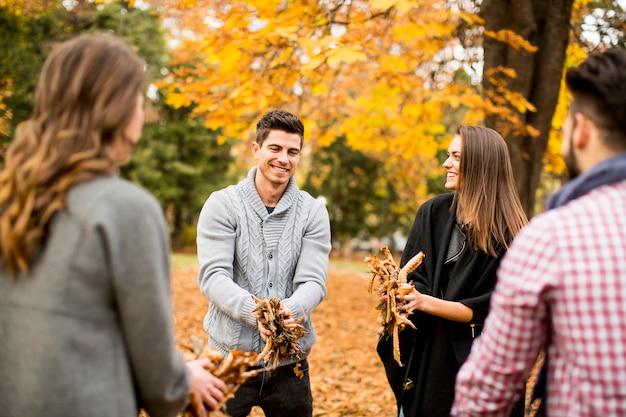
{"type": "Point", "coordinates": [180, 162]}
{"type": "Point", "coordinates": [141, 28]}
{"type": "Point", "coordinates": [26, 39]}
{"type": "Point", "coordinates": [178, 159]}
{"type": "Point", "coordinates": [25, 42]}
{"type": "Point", "coordinates": [359, 198]}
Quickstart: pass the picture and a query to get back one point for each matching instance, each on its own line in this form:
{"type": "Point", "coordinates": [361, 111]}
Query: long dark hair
{"type": "Point", "coordinates": [486, 197]}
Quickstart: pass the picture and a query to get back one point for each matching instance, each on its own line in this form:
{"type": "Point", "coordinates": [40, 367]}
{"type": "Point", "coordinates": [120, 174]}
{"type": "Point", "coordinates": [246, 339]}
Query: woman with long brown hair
{"type": "Point", "coordinates": [85, 310]}
{"type": "Point", "coordinates": [463, 236]}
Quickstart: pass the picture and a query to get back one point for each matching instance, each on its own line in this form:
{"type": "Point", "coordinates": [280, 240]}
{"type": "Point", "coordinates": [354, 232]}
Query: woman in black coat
{"type": "Point", "coordinates": [463, 236]}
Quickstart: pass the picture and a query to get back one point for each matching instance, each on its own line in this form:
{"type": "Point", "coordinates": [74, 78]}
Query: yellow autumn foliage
{"type": "Point", "coordinates": [329, 64]}
{"type": "Point", "coordinates": [379, 72]}
{"type": "Point", "coordinates": [553, 162]}
{"type": "Point", "coordinates": [29, 8]}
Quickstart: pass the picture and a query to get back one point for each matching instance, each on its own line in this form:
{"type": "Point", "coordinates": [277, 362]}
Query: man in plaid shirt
{"type": "Point", "coordinates": [562, 284]}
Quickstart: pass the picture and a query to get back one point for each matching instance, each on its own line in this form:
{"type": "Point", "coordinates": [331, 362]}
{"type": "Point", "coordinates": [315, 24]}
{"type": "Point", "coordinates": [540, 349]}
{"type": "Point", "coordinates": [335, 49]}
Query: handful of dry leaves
{"type": "Point", "coordinates": [284, 337]}
{"type": "Point", "coordinates": [390, 281]}
{"type": "Point", "coordinates": [233, 370]}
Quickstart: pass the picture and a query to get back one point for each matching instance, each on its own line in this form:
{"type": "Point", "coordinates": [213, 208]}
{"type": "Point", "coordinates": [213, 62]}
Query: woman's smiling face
{"type": "Point", "coordinates": [453, 163]}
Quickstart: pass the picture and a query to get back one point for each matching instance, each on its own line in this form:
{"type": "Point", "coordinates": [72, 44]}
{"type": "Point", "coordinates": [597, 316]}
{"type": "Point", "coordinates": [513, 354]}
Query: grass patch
{"type": "Point", "coordinates": [184, 260]}
{"type": "Point", "coordinates": [349, 265]}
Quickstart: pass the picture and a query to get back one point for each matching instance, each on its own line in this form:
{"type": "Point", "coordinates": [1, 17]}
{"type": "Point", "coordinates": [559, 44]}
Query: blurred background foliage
{"type": "Point", "coordinates": [381, 86]}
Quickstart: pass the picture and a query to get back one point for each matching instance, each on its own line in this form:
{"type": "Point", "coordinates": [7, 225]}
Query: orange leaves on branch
{"type": "Point", "coordinates": [495, 75]}
{"type": "Point", "coordinates": [471, 18]}
{"type": "Point", "coordinates": [312, 58]}
{"type": "Point", "coordinates": [507, 104]}
{"type": "Point", "coordinates": [520, 103]}
{"type": "Point", "coordinates": [511, 38]}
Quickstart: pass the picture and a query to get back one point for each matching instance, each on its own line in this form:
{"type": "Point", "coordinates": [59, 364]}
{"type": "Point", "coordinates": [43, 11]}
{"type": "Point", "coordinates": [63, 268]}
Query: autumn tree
{"type": "Point", "coordinates": [560, 33]}
{"type": "Point", "coordinates": [533, 69]}
{"type": "Point", "coordinates": [378, 75]}
{"type": "Point", "coordinates": [381, 73]}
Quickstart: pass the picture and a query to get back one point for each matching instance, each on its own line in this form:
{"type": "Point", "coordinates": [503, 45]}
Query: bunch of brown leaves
{"type": "Point", "coordinates": [234, 370]}
{"type": "Point", "coordinates": [283, 340]}
{"type": "Point", "coordinates": [390, 281]}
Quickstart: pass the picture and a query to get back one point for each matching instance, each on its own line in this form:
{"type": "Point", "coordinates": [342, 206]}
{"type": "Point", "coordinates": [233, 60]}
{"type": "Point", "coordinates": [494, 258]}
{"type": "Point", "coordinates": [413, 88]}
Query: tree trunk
{"type": "Point", "coordinates": [545, 24]}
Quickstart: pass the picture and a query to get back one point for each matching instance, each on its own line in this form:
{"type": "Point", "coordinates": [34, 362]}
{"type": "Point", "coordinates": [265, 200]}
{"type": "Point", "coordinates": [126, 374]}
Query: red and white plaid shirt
{"type": "Point", "coordinates": [561, 287]}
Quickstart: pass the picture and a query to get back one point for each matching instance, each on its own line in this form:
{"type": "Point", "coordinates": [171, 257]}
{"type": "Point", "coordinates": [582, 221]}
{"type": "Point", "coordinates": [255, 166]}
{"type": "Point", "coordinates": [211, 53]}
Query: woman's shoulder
{"type": "Point", "coordinates": [445, 198]}
{"type": "Point", "coordinates": [112, 194]}
{"type": "Point", "coordinates": [116, 188]}
{"type": "Point", "coordinates": [438, 202]}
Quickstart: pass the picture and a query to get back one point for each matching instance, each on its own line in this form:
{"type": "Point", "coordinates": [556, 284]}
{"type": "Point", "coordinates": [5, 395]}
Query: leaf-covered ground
{"type": "Point", "coordinates": [347, 379]}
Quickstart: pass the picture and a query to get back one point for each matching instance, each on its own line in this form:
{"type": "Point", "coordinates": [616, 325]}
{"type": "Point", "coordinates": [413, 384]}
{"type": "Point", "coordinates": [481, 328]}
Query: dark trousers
{"type": "Point", "coordinates": [280, 393]}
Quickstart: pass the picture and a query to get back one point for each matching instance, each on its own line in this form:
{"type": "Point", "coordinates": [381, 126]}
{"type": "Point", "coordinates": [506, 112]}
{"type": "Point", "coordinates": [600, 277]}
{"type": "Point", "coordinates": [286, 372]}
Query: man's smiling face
{"type": "Point", "coordinates": [277, 158]}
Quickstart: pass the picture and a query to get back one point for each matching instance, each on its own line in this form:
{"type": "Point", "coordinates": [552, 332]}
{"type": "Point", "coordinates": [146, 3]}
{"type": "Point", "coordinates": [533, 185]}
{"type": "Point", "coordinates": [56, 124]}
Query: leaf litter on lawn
{"type": "Point", "coordinates": [347, 378]}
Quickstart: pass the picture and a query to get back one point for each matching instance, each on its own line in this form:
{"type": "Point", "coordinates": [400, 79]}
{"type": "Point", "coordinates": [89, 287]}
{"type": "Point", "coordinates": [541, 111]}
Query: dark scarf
{"type": "Point", "coordinates": [606, 172]}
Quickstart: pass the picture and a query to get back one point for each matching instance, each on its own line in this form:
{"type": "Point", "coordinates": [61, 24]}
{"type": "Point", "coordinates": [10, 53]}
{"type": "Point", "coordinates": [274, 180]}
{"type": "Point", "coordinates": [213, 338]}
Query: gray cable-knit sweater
{"type": "Point", "coordinates": [245, 251]}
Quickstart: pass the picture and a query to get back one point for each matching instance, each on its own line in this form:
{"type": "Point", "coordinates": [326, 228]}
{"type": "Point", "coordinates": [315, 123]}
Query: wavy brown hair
{"type": "Point", "coordinates": [85, 98]}
{"type": "Point", "coordinates": [486, 197]}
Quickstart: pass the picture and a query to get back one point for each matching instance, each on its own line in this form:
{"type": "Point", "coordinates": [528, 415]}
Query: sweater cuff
{"type": "Point", "coordinates": [293, 307]}
{"type": "Point", "coordinates": [248, 316]}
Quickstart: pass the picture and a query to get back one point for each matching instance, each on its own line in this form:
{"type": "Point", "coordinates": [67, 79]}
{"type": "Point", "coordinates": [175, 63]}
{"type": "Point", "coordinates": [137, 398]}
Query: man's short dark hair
{"type": "Point", "coordinates": [598, 88]}
{"type": "Point", "coordinates": [278, 120]}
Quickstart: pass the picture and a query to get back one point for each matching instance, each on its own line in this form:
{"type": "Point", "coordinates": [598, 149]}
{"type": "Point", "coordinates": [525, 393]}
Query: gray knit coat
{"type": "Point", "coordinates": [89, 331]}
{"type": "Point", "coordinates": [245, 251]}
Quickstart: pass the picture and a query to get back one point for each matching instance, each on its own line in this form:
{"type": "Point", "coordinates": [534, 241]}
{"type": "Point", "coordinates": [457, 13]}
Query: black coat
{"type": "Point", "coordinates": [439, 344]}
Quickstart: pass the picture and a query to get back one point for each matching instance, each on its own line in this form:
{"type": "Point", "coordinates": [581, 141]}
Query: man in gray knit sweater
{"type": "Point", "coordinates": [265, 237]}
